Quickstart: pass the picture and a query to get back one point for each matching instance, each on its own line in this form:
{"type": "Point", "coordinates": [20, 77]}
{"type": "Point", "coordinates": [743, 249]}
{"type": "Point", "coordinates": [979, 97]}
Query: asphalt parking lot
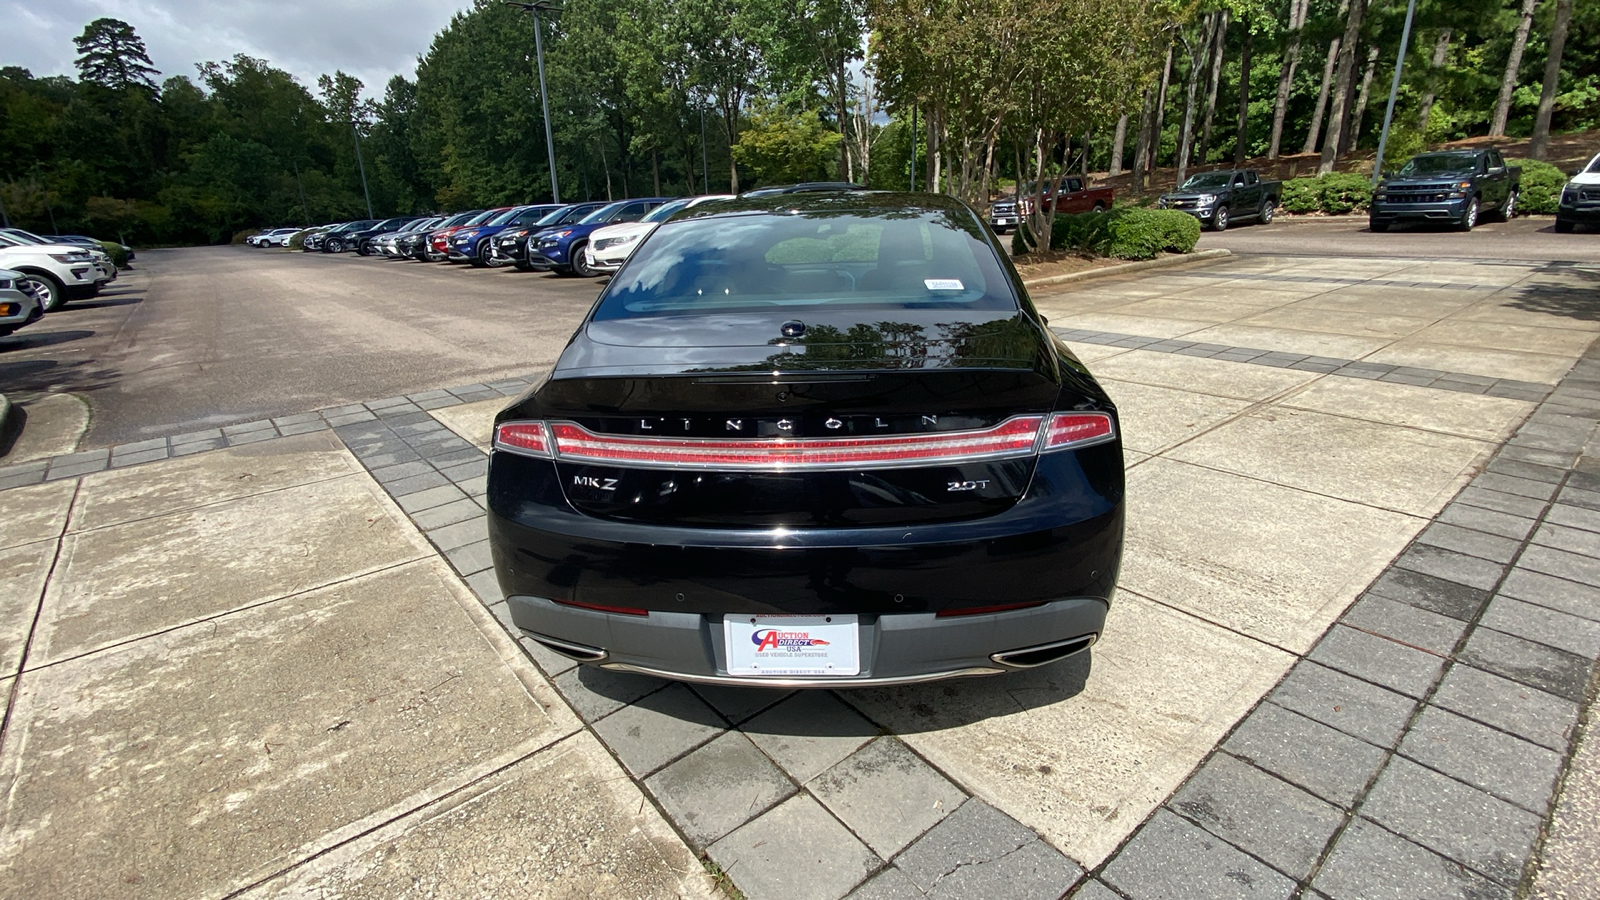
{"type": "Point", "coordinates": [1359, 614]}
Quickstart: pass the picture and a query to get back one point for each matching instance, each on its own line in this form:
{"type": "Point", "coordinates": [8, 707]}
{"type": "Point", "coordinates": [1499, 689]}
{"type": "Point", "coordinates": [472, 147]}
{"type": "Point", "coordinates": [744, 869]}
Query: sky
{"type": "Point", "coordinates": [370, 39]}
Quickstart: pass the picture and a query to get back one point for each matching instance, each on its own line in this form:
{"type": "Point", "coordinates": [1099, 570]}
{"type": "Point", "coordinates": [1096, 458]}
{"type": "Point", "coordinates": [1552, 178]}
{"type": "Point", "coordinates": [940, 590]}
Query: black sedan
{"type": "Point", "coordinates": [811, 440]}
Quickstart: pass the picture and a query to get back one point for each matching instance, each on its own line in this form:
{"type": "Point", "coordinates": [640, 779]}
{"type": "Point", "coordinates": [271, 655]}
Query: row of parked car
{"type": "Point", "coordinates": [39, 273]}
{"type": "Point", "coordinates": [586, 239]}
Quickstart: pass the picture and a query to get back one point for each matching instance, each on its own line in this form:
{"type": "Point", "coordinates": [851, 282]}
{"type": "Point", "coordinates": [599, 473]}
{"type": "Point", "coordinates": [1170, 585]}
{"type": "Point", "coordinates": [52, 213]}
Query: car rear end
{"type": "Point", "coordinates": [818, 442]}
{"type": "Point", "coordinates": [17, 307]}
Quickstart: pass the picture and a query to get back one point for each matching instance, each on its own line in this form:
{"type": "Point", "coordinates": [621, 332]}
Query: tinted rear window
{"type": "Point", "coordinates": [745, 262]}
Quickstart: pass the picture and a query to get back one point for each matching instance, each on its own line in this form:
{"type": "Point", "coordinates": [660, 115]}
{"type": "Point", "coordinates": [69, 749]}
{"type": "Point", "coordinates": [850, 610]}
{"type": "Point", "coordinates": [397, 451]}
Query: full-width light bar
{"type": "Point", "coordinates": [1017, 436]}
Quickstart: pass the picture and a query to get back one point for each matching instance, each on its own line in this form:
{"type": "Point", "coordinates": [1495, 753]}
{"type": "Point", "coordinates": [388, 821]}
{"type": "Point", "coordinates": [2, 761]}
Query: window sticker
{"type": "Point", "coordinates": [943, 284]}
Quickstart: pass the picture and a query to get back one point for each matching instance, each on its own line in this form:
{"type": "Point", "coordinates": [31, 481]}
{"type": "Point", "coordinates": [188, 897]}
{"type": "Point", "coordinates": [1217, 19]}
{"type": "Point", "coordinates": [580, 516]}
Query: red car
{"type": "Point", "coordinates": [1075, 197]}
{"type": "Point", "coordinates": [439, 241]}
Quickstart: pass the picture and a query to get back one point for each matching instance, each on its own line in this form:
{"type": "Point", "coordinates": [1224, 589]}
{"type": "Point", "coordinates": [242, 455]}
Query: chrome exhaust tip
{"type": "Point", "coordinates": [570, 650]}
{"type": "Point", "coordinates": [1030, 657]}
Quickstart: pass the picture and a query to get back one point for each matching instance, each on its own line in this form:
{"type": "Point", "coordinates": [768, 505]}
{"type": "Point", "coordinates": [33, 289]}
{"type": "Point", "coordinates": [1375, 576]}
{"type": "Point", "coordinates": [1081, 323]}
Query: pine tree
{"type": "Point", "coordinates": [110, 53]}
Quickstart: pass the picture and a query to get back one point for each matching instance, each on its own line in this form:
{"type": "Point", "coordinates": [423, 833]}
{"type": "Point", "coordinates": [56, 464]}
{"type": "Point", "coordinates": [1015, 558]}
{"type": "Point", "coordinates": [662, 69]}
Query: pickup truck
{"type": "Point", "coordinates": [1075, 197]}
{"type": "Point", "coordinates": [1580, 198]}
{"type": "Point", "coordinates": [1220, 198]}
{"type": "Point", "coordinates": [1455, 186]}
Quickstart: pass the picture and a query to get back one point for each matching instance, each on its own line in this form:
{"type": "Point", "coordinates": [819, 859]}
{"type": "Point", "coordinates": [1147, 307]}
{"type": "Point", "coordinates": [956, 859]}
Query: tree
{"type": "Point", "coordinates": [1552, 80]}
{"type": "Point", "coordinates": [111, 54]}
{"type": "Point", "coordinates": [1342, 85]}
{"type": "Point", "coordinates": [1291, 59]}
{"type": "Point", "coordinates": [783, 146]}
{"type": "Point", "coordinates": [1508, 82]}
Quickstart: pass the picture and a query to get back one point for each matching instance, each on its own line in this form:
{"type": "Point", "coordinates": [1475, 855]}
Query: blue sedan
{"type": "Point", "coordinates": [561, 249]}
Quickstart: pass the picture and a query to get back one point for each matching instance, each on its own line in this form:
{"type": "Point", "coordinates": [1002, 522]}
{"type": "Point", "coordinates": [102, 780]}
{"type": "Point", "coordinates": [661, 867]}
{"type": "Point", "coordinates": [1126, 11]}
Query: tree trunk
{"type": "Point", "coordinates": [1440, 50]}
{"type": "Point", "coordinates": [1215, 85]}
{"type": "Point", "coordinates": [1341, 89]}
{"type": "Point", "coordinates": [1508, 83]}
{"type": "Point", "coordinates": [1327, 81]}
{"type": "Point", "coordinates": [1161, 112]}
{"type": "Point", "coordinates": [1117, 140]}
{"type": "Point", "coordinates": [845, 168]}
{"type": "Point", "coordinates": [655, 170]}
{"type": "Point", "coordinates": [1141, 144]}
{"type": "Point", "coordinates": [1196, 68]}
{"type": "Point", "coordinates": [1354, 133]}
{"type": "Point", "coordinates": [1552, 80]}
{"type": "Point", "coordinates": [730, 121]}
{"type": "Point", "coordinates": [1244, 102]}
{"type": "Point", "coordinates": [1291, 58]}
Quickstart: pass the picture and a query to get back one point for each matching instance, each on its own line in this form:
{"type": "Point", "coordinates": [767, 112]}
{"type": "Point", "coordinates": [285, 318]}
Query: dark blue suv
{"type": "Point", "coordinates": [561, 249]}
{"type": "Point", "coordinates": [476, 244]}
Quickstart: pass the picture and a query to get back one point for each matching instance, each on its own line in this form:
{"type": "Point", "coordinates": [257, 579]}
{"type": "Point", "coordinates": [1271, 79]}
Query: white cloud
{"type": "Point", "coordinates": [370, 39]}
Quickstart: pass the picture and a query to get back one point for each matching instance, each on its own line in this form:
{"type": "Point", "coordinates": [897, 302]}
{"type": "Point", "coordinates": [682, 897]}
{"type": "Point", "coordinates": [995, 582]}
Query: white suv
{"type": "Point", "coordinates": [52, 273]}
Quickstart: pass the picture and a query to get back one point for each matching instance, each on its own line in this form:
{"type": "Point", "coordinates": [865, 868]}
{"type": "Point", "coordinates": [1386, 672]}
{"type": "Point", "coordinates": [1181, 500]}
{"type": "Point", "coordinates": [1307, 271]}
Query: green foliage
{"type": "Point", "coordinates": [781, 146]}
{"type": "Point", "coordinates": [1541, 186]}
{"type": "Point", "coordinates": [1335, 193]}
{"type": "Point", "coordinates": [297, 241]}
{"type": "Point", "coordinates": [239, 236]}
{"type": "Point", "coordinates": [1126, 233]}
{"type": "Point", "coordinates": [112, 55]}
{"type": "Point", "coordinates": [119, 256]}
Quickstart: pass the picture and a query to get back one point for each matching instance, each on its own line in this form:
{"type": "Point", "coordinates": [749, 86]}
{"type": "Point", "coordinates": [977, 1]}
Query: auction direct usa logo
{"type": "Point", "coordinates": [773, 639]}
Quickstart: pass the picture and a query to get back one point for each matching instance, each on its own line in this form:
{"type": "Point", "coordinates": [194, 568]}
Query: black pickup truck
{"type": "Point", "coordinates": [1454, 186]}
{"type": "Point", "coordinates": [1225, 196]}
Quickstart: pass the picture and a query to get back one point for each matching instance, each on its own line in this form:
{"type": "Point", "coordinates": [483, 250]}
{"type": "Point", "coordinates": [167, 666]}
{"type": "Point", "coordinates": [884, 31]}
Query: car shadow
{"type": "Point", "coordinates": [101, 302]}
{"type": "Point", "coordinates": [1579, 301]}
{"type": "Point", "coordinates": [910, 709]}
{"type": "Point", "coordinates": [32, 339]}
{"type": "Point", "coordinates": [41, 375]}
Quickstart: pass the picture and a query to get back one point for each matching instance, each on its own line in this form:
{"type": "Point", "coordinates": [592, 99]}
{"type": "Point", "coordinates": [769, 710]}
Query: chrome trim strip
{"type": "Point", "coordinates": [791, 683]}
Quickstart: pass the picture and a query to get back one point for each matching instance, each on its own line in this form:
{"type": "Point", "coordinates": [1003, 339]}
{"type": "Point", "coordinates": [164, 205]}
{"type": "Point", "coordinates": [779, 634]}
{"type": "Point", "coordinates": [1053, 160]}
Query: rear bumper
{"type": "Point", "coordinates": [902, 648]}
{"type": "Point", "coordinates": [1059, 546]}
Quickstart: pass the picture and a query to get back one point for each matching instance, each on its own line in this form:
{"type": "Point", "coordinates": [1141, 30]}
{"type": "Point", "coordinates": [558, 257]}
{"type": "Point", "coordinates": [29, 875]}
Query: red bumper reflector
{"type": "Point", "coordinates": [985, 610]}
{"type": "Point", "coordinates": [597, 607]}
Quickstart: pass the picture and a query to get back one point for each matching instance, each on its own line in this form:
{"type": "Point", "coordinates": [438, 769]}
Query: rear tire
{"type": "Point", "coordinates": [1266, 213]}
{"type": "Point", "coordinates": [1509, 210]}
{"type": "Point", "coordinates": [45, 288]}
{"type": "Point", "coordinates": [1098, 207]}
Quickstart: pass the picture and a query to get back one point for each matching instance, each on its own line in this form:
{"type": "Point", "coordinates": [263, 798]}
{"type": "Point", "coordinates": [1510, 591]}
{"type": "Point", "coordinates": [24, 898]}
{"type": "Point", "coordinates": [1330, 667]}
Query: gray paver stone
{"type": "Point", "coordinates": [1547, 626]}
{"type": "Point", "coordinates": [1487, 520]}
{"type": "Point", "coordinates": [1094, 890]}
{"type": "Point", "coordinates": [56, 473]}
{"type": "Point", "coordinates": [1573, 517]}
{"type": "Point", "coordinates": [247, 427]}
{"type": "Point", "coordinates": [1035, 871]}
{"type": "Point", "coordinates": [719, 787]}
{"type": "Point", "coordinates": [416, 483]}
{"type": "Point", "coordinates": [1556, 593]}
{"type": "Point", "coordinates": [301, 428]}
{"type": "Point", "coordinates": [350, 418]}
{"type": "Point", "coordinates": [1262, 815]}
{"type": "Point", "coordinates": [138, 447]}
{"type": "Point", "coordinates": [428, 499]}
{"type": "Point", "coordinates": [470, 559]}
{"type": "Point", "coordinates": [1374, 714]}
{"type": "Point", "coordinates": [1435, 594]}
{"type": "Point", "coordinates": [1451, 566]}
{"type": "Point", "coordinates": [594, 693]}
{"type": "Point", "coordinates": [1545, 719]}
{"type": "Point", "coordinates": [1527, 470]}
{"type": "Point", "coordinates": [460, 534]}
{"type": "Point", "coordinates": [1379, 660]}
{"type": "Point", "coordinates": [1546, 668]}
{"type": "Point", "coordinates": [465, 471]}
{"type": "Point", "coordinates": [549, 662]}
{"type": "Point", "coordinates": [1511, 484]}
{"type": "Point", "coordinates": [1572, 540]}
{"type": "Point", "coordinates": [389, 474]}
{"type": "Point", "coordinates": [974, 833]}
{"type": "Point", "coordinates": [652, 731]}
{"type": "Point", "coordinates": [794, 852]}
{"type": "Point", "coordinates": [1405, 623]}
{"type": "Point", "coordinates": [1506, 503]}
{"type": "Point", "coordinates": [1326, 762]}
{"type": "Point", "coordinates": [1170, 859]}
{"type": "Point", "coordinates": [1472, 543]}
{"type": "Point", "coordinates": [886, 795]}
{"type": "Point", "coordinates": [809, 733]}
{"type": "Point", "coordinates": [487, 586]}
{"type": "Point", "coordinates": [1508, 767]}
{"type": "Point", "coordinates": [251, 437]}
{"type": "Point", "coordinates": [1370, 863]}
{"type": "Point", "coordinates": [200, 446]}
{"type": "Point", "coordinates": [448, 514]}
{"type": "Point", "coordinates": [1471, 827]}
{"type": "Point", "coordinates": [133, 459]}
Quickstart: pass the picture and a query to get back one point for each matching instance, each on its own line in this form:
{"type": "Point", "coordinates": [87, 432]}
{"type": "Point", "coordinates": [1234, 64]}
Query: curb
{"type": "Point", "coordinates": [1139, 266]}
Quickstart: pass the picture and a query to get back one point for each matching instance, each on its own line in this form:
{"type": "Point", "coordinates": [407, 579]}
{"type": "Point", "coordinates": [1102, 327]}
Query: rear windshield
{"type": "Point", "coordinates": [567, 214]}
{"type": "Point", "coordinates": [829, 259]}
{"type": "Point", "coordinates": [603, 213]}
{"type": "Point", "coordinates": [665, 210]}
{"type": "Point", "coordinates": [506, 216]}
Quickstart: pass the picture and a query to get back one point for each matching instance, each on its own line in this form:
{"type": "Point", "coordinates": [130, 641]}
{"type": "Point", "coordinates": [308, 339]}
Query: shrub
{"type": "Point", "coordinates": [119, 256]}
{"type": "Point", "coordinates": [297, 241]}
{"type": "Point", "coordinates": [1128, 233]}
{"type": "Point", "coordinates": [1541, 186]}
{"type": "Point", "coordinates": [239, 236]}
{"type": "Point", "coordinates": [1335, 193]}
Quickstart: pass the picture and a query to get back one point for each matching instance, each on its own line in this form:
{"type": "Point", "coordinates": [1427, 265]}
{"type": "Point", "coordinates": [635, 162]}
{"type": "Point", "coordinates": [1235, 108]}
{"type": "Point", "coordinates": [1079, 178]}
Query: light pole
{"type": "Point", "coordinates": [361, 165]}
{"type": "Point", "coordinates": [1394, 88]}
{"type": "Point", "coordinates": [536, 7]}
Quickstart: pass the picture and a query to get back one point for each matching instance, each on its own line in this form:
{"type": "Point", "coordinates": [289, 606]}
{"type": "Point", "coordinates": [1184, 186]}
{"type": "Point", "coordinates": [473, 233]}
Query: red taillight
{"type": "Point", "coordinates": [985, 610]}
{"type": "Point", "coordinates": [1013, 437]}
{"type": "Point", "coordinates": [597, 607]}
{"type": "Point", "coordinates": [1065, 430]}
{"type": "Point", "coordinates": [528, 438]}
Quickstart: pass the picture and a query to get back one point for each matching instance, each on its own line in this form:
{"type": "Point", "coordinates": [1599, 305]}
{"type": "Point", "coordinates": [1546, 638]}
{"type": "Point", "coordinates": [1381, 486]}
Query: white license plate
{"type": "Point", "coordinates": [792, 645]}
{"type": "Point", "coordinates": [1004, 220]}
